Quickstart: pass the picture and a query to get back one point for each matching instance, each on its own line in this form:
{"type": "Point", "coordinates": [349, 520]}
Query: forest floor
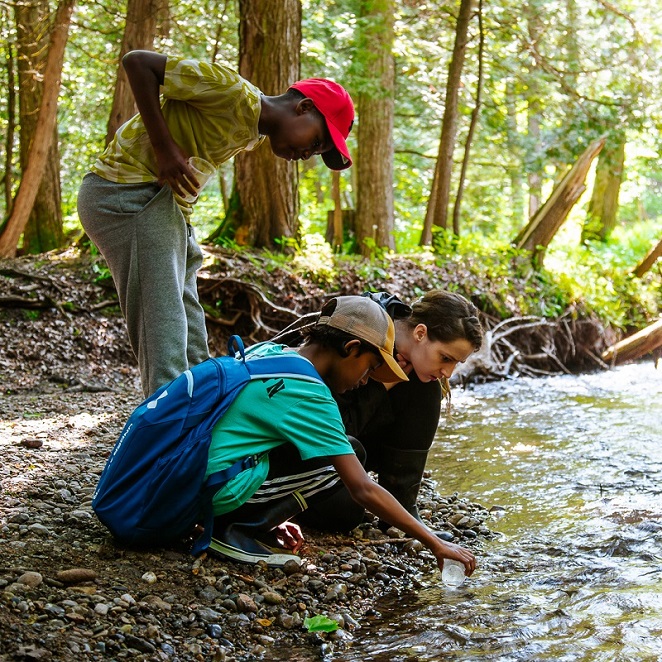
{"type": "Point", "coordinates": [68, 381]}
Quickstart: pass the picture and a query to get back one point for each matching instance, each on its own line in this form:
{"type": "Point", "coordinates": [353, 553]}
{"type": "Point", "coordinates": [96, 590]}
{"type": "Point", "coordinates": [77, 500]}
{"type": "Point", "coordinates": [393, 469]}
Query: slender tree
{"type": "Point", "coordinates": [334, 231]}
{"type": "Point", "coordinates": [513, 143]}
{"type": "Point", "coordinates": [10, 66]}
{"type": "Point", "coordinates": [437, 210]}
{"type": "Point", "coordinates": [534, 17]}
{"type": "Point", "coordinates": [376, 83]}
{"type": "Point", "coordinates": [43, 230]}
{"type": "Point", "coordinates": [540, 230]}
{"type": "Point", "coordinates": [265, 201]}
{"type": "Point", "coordinates": [603, 207]}
{"type": "Point", "coordinates": [457, 205]}
{"type": "Point", "coordinates": [139, 34]}
{"type": "Point", "coordinates": [42, 139]}
{"type": "Point", "coordinates": [651, 257]}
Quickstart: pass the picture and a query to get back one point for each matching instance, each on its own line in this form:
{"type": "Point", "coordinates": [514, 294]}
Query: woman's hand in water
{"type": "Point", "coordinates": [449, 550]}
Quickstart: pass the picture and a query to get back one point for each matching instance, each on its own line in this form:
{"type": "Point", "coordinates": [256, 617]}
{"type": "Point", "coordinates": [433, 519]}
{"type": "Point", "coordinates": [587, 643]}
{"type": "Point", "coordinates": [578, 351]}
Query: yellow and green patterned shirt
{"type": "Point", "coordinates": [211, 111]}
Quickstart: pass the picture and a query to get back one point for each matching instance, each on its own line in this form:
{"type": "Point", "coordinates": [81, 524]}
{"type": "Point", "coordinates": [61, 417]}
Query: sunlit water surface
{"type": "Point", "coordinates": [576, 574]}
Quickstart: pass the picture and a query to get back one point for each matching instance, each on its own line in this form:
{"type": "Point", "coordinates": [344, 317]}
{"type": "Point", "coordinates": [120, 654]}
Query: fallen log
{"type": "Point", "coordinates": [543, 225]}
{"type": "Point", "coordinates": [649, 260]}
{"type": "Point", "coordinates": [635, 346]}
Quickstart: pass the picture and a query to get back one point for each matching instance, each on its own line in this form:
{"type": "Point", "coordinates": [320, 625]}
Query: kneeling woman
{"type": "Point", "coordinates": [396, 423]}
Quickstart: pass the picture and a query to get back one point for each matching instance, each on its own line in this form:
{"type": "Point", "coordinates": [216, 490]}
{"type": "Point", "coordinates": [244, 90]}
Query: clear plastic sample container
{"type": "Point", "coordinates": [453, 573]}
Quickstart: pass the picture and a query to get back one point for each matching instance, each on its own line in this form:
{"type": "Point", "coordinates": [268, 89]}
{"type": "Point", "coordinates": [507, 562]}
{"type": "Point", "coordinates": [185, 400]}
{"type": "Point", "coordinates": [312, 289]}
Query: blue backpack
{"type": "Point", "coordinates": [153, 488]}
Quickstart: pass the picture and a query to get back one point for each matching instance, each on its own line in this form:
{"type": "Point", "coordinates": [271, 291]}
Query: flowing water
{"type": "Point", "coordinates": [576, 574]}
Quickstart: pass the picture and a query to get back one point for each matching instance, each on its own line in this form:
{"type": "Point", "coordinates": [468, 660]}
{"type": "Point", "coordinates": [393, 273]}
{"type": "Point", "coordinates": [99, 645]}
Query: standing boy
{"type": "Point", "coordinates": [295, 429]}
{"type": "Point", "coordinates": [132, 203]}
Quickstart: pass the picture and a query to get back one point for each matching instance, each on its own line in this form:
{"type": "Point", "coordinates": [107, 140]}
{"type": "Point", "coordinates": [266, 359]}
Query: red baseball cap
{"type": "Point", "coordinates": [333, 101]}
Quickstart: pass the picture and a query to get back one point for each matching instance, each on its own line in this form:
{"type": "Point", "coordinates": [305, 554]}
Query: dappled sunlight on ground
{"type": "Point", "coordinates": [43, 435]}
{"type": "Point", "coordinates": [49, 429]}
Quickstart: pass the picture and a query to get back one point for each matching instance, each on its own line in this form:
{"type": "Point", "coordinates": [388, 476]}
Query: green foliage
{"type": "Point", "coordinates": [102, 273]}
{"type": "Point", "coordinates": [31, 315]}
{"type": "Point", "coordinates": [598, 275]}
{"type": "Point", "coordinates": [372, 271]}
{"type": "Point", "coordinates": [266, 260]}
{"type": "Point", "coordinates": [314, 259]}
{"type": "Point", "coordinates": [643, 193]}
{"type": "Point", "coordinates": [593, 279]}
{"type": "Point", "coordinates": [373, 250]}
{"type": "Point", "coordinates": [514, 285]}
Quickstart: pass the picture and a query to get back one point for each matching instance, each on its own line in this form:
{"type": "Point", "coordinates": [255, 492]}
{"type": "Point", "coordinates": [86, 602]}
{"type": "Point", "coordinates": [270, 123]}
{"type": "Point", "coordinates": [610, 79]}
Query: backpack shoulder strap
{"type": "Point", "coordinates": [294, 366]}
{"type": "Point", "coordinates": [289, 364]}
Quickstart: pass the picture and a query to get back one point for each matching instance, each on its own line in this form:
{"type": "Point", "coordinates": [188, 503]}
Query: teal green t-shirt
{"type": "Point", "coordinates": [266, 414]}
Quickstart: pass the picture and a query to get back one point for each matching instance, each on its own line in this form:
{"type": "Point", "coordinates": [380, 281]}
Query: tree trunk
{"type": "Point", "coordinates": [457, 206]}
{"type": "Point", "coordinates": [649, 260]}
{"type": "Point", "coordinates": [139, 33]}
{"type": "Point", "coordinates": [517, 192]}
{"type": "Point", "coordinates": [334, 230]}
{"type": "Point", "coordinates": [374, 163]}
{"type": "Point", "coordinates": [225, 172]}
{"type": "Point", "coordinates": [540, 230]}
{"type": "Point", "coordinates": [266, 198]}
{"type": "Point", "coordinates": [11, 125]}
{"type": "Point", "coordinates": [534, 109]}
{"type": "Point", "coordinates": [437, 210]}
{"type": "Point", "coordinates": [635, 346]}
{"type": "Point", "coordinates": [603, 207]}
{"type": "Point", "coordinates": [43, 230]}
{"type": "Point", "coordinates": [40, 148]}
{"type": "Point", "coordinates": [534, 178]}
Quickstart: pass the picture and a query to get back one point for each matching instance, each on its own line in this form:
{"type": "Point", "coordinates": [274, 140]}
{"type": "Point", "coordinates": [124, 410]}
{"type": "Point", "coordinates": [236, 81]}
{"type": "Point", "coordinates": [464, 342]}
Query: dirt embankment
{"type": "Point", "coordinates": [60, 323]}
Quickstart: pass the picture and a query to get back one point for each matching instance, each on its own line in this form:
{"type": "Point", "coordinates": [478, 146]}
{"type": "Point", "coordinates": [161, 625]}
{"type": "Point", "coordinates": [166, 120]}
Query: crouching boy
{"type": "Point", "coordinates": [304, 455]}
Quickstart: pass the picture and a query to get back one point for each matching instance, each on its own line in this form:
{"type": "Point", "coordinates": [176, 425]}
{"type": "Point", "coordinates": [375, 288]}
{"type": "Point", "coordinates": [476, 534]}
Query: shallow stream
{"type": "Point", "coordinates": [576, 574]}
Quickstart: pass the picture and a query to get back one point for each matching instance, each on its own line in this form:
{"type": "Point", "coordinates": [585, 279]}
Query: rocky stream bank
{"type": "Point", "coordinates": [68, 592]}
{"type": "Point", "coordinates": [68, 382]}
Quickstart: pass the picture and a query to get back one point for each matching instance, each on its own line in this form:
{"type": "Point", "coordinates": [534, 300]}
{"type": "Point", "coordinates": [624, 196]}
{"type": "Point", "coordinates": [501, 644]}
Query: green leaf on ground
{"type": "Point", "coordinates": [320, 623]}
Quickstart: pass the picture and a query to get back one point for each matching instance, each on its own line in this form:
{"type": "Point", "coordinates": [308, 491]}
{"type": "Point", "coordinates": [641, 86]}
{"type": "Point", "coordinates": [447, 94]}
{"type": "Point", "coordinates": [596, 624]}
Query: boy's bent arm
{"type": "Point", "coordinates": [367, 493]}
{"type": "Point", "coordinates": [146, 73]}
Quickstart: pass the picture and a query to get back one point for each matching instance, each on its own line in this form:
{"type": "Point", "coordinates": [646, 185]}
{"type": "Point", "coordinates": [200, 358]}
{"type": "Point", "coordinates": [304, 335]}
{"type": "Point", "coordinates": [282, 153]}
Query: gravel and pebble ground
{"type": "Point", "coordinates": [67, 385]}
{"type": "Point", "coordinates": [68, 592]}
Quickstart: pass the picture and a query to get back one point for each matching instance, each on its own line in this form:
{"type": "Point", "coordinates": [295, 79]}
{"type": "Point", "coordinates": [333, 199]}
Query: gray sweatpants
{"type": "Point", "coordinates": [154, 258]}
